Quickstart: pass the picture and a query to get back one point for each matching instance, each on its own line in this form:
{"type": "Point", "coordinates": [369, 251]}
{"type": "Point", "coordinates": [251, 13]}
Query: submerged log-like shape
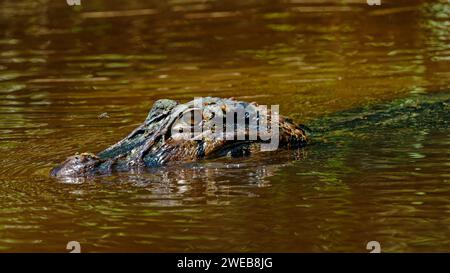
{"type": "Point", "coordinates": [202, 128]}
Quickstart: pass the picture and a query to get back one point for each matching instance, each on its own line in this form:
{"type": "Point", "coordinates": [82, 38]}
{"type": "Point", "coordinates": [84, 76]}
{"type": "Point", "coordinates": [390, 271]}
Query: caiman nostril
{"type": "Point", "coordinates": [55, 171]}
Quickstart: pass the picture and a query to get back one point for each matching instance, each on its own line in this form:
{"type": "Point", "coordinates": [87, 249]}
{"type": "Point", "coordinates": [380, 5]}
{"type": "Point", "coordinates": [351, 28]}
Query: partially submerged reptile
{"type": "Point", "coordinates": [202, 128]}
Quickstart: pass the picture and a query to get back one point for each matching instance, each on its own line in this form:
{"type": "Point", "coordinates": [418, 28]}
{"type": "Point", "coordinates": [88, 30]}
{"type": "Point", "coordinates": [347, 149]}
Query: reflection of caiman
{"type": "Point", "coordinates": [161, 139]}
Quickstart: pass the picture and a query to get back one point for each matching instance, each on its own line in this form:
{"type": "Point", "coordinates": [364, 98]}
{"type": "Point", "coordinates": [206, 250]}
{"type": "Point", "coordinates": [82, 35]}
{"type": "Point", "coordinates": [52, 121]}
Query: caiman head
{"type": "Point", "coordinates": [202, 128]}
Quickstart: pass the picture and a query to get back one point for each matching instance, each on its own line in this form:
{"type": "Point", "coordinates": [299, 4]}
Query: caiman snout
{"type": "Point", "coordinates": [77, 165]}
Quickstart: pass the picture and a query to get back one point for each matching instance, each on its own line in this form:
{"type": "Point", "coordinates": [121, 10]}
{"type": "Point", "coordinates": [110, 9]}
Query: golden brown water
{"type": "Point", "coordinates": [61, 67]}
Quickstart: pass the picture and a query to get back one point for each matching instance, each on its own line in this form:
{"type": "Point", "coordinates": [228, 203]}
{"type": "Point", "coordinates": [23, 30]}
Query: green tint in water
{"type": "Point", "coordinates": [371, 82]}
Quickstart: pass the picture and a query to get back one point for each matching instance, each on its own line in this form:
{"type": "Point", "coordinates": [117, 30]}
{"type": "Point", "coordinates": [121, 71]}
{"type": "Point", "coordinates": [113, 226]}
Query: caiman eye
{"type": "Point", "coordinates": [188, 122]}
{"type": "Point", "coordinates": [193, 117]}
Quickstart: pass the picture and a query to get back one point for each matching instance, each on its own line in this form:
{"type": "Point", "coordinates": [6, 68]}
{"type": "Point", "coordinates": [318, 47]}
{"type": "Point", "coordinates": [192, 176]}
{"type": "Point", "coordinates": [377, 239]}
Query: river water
{"type": "Point", "coordinates": [324, 62]}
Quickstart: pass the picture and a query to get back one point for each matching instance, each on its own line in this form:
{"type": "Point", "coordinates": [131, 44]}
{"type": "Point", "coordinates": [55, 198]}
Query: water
{"type": "Point", "coordinates": [326, 63]}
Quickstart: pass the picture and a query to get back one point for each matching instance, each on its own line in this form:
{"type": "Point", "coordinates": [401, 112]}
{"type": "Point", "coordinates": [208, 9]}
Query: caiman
{"type": "Point", "coordinates": [200, 129]}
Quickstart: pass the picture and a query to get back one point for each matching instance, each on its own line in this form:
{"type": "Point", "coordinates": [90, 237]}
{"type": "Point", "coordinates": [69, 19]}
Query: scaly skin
{"type": "Point", "coordinates": [154, 144]}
